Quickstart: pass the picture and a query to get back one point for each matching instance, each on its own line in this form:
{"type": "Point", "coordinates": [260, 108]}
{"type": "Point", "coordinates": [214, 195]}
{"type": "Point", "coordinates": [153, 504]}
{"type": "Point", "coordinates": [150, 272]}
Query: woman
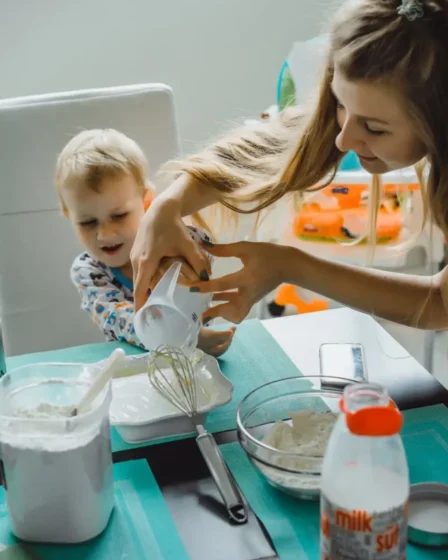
{"type": "Point", "coordinates": [383, 95]}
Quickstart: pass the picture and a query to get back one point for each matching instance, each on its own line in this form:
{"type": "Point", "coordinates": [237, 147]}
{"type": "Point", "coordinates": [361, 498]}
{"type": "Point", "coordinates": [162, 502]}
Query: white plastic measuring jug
{"type": "Point", "coordinates": [172, 314]}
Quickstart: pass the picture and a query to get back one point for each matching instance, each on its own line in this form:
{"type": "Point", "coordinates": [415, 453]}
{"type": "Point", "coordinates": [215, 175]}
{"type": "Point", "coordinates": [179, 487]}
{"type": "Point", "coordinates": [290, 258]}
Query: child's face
{"type": "Point", "coordinates": [107, 221]}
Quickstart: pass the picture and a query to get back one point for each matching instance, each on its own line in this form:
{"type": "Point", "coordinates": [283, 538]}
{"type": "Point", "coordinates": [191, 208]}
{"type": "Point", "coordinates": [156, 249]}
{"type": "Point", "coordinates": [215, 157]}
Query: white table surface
{"type": "Point", "coordinates": [388, 363]}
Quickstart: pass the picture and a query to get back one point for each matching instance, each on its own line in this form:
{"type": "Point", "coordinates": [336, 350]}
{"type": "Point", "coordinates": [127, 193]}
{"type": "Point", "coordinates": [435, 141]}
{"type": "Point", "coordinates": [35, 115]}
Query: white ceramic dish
{"type": "Point", "coordinates": [140, 414]}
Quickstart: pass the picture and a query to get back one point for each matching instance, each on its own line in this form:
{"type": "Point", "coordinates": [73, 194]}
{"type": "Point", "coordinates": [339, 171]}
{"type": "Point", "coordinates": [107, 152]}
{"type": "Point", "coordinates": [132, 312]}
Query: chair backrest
{"type": "Point", "coordinates": [40, 307]}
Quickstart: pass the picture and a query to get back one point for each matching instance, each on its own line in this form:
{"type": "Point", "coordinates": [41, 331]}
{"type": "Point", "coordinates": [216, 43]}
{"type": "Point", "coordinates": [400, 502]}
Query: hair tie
{"type": "Point", "coordinates": [411, 9]}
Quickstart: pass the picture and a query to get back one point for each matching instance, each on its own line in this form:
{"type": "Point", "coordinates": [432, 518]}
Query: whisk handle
{"type": "Point", "coordinates": [222, 477]}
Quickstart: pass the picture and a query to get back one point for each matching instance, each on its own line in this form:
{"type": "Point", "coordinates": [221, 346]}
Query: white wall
{"type": "Point", "coordinates": [222, 57]}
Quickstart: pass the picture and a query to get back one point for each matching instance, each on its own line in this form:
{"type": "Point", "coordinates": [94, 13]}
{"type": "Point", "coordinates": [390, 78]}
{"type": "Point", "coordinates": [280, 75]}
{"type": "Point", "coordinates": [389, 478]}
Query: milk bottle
{"type": "Point", "coordinates": [365, 480]}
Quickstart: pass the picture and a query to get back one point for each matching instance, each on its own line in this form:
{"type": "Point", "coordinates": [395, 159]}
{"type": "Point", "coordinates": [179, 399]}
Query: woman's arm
{"type": "Point", "coordinates": [186, 196]}
{"type": "Point", "coordinates": [412, 300]}
{"type": "Point", "coordinates": [408, 299]}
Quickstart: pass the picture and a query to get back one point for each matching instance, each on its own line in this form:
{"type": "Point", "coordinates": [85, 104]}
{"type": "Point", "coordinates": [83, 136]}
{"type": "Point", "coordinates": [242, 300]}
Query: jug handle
{"type": "Point", "coordinates": [177, 268]}
{"type": "Point", "coordinates": [171, 276]}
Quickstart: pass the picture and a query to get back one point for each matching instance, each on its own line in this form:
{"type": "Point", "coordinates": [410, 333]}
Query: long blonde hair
{"type": "Point", "coordinates": [253, 167]}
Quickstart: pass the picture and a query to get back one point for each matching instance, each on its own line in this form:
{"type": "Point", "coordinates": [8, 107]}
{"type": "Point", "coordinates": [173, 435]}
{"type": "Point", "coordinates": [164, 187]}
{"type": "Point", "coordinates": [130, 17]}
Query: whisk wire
{"type": "Point", "coordinates": [172, 375]}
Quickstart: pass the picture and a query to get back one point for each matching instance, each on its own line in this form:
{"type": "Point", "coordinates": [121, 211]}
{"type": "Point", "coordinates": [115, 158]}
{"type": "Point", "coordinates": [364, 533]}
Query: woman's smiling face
{"type": "Point", "coordinates": [375, 125]}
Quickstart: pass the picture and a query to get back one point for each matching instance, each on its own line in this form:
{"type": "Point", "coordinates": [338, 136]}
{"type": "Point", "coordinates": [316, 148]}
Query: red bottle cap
{"type": "Point", "coordinates": [374, 421]}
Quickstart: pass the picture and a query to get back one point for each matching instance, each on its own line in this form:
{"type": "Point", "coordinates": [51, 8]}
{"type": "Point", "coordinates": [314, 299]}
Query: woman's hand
{"type": "Point", "coordinates": [264, 268]}
{"type": "Point", "coordinates": [162, 233]}
{"type": "Point", "coordinates": [186, 277]}
{"type": "Point", "coordinates": [215, 343]}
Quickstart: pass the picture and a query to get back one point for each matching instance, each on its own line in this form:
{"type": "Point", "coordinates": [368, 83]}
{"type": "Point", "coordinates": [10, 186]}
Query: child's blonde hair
{"type": "Point", "coordinates": [372, 40]}
{"type": "Point", "coordinates": [93, 155]}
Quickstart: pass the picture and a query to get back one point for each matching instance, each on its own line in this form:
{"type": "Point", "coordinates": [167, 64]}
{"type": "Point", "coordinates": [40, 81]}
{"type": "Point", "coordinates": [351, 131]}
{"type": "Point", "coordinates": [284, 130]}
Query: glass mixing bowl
{"type": "Point", "coordinates": [295, 474]}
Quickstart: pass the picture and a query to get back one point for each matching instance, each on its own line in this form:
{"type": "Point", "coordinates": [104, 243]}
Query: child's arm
{"type": "Point", "coordinates": [104, 302]}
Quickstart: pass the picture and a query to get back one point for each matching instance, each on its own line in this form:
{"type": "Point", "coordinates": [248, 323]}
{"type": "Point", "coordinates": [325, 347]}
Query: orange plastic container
{"type": "Point", "coordinates": [287, 295]}
{"type": "Point", "coordinates": [347, 195]}
{"type": "Point", "coordinates": [346, 216]}
{"type": "Point", "coordinates": [330, 225]}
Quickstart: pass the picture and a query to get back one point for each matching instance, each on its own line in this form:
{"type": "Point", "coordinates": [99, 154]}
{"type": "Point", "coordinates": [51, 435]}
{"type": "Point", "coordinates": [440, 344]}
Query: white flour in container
{"type": "Point", "coordinates": [59, 486]}
{"type": "Point", "coordinates": [307, 436]}
{"type": "Point", "coordinates": [44, 410]}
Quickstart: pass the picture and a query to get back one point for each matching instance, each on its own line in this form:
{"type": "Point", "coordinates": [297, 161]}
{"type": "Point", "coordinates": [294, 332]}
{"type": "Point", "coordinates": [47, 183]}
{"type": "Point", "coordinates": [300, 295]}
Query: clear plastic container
{"type": "Point", "coordinates": [365, 480]}
{"type": "Point", "coordinates": [57, 469]}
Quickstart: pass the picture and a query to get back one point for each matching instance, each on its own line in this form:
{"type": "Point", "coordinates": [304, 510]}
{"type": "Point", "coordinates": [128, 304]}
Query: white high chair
{"type": "Point", "coordinates": [40, 306]}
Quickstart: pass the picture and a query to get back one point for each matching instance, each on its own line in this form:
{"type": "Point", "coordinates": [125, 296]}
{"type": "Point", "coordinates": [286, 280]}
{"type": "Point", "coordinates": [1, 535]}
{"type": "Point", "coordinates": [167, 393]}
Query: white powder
{"type": "Point", "coordinates": [307, 436]}
{"type": "Point", "coordinates": [429, 515]}
{"type": "Point", "coordinates": [44, 410]}
{"type": "Point", "coordinates": [135, 400]}
{"type": "Point", "coordinates": [59, 485]}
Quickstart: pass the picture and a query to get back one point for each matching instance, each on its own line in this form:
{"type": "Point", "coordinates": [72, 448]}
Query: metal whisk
{"type": "Point", "coordinates": [180, 390]}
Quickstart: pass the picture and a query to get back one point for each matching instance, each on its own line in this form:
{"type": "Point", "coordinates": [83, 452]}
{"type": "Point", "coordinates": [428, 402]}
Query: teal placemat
{"type": "Point", "coordinates": [294, 525]}
{"type": "Point", "coordinates": [254, 358]}
{"type": "Point", "coordinates": [141, 527]}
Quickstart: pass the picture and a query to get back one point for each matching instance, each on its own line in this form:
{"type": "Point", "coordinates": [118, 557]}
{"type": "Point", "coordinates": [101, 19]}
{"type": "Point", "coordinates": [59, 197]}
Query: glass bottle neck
{"type": "Point", "coordinates": [365, 395]}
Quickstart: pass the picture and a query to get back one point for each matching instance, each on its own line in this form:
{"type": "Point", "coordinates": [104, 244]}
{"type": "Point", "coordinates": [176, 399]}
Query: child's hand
{"type": "Point", "coordinates": [215, 343]}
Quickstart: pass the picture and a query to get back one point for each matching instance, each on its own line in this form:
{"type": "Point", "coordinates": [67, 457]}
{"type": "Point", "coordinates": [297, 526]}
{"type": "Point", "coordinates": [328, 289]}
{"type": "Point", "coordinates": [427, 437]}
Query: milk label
{"type": "Point", "coordinates": [362, 535]}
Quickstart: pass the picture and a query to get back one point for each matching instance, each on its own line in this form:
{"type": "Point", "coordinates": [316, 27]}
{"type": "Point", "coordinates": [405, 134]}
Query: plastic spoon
{"type": "Point", "coordinates": [100, 381]}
